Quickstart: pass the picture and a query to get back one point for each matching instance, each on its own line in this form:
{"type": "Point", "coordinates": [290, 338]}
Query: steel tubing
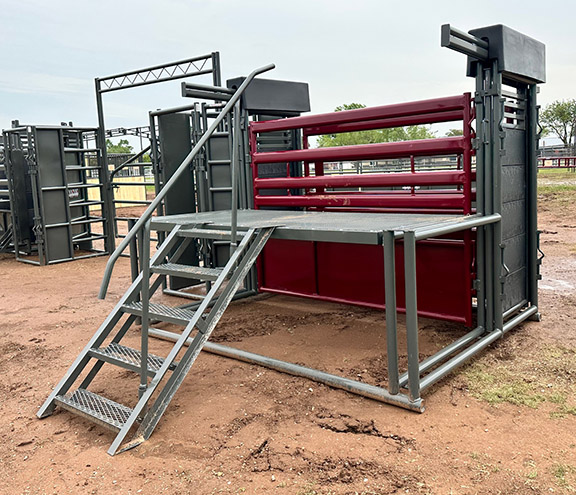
{"type": "Point", "coordinates": [353, 386]}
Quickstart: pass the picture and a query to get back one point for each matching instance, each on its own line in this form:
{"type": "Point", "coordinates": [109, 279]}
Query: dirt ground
{"type": "Point", "coordinates": [505, 424]}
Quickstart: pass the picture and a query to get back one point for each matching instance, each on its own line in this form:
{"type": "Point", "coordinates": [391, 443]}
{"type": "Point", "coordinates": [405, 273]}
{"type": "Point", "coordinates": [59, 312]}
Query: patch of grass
{"type": "Point", "coordinates": [499, 385]}
{"type": "Point", "coordinates": [557, 173]}
{"type": "Point", "coordinates": [529, 379]}
{"type": "Point", "coordinates": [532, 475]}
{"type": "Point", "coordinates": [563, 474]}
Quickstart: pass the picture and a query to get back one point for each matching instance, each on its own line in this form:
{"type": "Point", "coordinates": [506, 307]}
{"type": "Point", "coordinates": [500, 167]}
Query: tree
{"type": "Point", "coordinates": [559, 118]}
{"type": "Point", "coordinates": [373, 136]}
{"type": "Point", "coordinates": [454, 132]}
{"type": "Point", "coordinates": [123, 146]}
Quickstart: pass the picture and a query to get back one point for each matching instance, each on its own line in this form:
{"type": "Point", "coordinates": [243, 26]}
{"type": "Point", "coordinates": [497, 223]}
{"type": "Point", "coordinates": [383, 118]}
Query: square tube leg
{"type": "Point", "coordinates": [391, 312]}
{"type": "Point", "coordinates": [411, 316]}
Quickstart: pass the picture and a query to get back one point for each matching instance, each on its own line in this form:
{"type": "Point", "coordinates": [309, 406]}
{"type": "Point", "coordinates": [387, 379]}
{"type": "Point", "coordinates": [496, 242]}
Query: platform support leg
{"type": "Point", "coordinates": [411, 316]}
{"type": "Point", "coordinates": [391, 312]}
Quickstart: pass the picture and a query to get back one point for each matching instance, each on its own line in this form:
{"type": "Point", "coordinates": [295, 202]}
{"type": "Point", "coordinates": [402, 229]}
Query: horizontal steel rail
{"type": "Point", "coordinates": [422, 147]}
{"type": "Point", "coordinates": [454, 201]}
{"type": "Point", "coordinates": [557, 162]}
{"type": "Point", "coordinates": [409, 109]}
{"type": "Point", "coordinates": [440, 178]}
{"type": "Point", "coordinates": [425, 118]}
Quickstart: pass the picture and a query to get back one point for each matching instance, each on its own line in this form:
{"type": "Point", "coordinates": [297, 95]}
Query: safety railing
{"type": "Point", "coordinates": [557, 162]}
{"type": "Point", "coordinates": [420, 188]}
{"type": "Point", "coordinates": [142, 221]}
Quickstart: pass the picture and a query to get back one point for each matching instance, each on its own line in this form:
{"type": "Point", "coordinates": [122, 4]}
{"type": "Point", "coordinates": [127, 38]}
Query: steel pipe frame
{"type": "Point", "coordinates": [353, 386]}
{"type": "Point", "coordinates": [423, 147]}
{"type": "Point", "coordinates": [410, 109]}
{"type": "Point", "coordinates": [175, 176]}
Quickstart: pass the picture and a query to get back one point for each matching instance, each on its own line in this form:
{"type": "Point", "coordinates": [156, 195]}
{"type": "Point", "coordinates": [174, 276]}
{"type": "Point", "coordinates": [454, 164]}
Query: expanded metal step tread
{"type": "Point", "coordinates": [103, 411]}
{"type": "Point", "coordinates": [196, 272]}
{"type": "Point", "coordinates": [161, 312]}
{"type": "Point", "coordinates": [131, 357]}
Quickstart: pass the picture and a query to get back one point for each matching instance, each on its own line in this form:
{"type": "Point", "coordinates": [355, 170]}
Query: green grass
{"type": "Point", "coordinates": [559, 173]}
{"type": "Point", "coordinates": [543, 376]}
{"type": "Point", "coordinates": [564, 473]}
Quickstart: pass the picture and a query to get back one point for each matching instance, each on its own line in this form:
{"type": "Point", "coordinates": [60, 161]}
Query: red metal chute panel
{"type": "Point", "coordinates": [354, 273]}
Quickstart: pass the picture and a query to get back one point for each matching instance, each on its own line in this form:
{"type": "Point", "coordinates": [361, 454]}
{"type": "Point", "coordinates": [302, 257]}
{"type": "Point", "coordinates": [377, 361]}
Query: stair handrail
{"type": "Point", "coordinates": [179, 171]}
{"type": "Point", "coordinates": [129, 161]}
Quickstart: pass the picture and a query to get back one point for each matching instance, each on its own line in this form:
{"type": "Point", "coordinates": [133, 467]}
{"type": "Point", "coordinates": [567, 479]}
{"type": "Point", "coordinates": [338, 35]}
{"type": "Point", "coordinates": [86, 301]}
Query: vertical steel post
{"type": "Point", "coordinates": [108, 208]}
{"type": "Point", "coordinates": [145, 293]}
{"type": "Point", "coordinates": [133, 252]}
{"type": "Point", "coordinates": [480, 188]}
{"type": "Point", "coordinates": [391, 311]}
{"type": "Point", "coordinates": [411, 316]}
{"type": "Point", "coordinates": [532, 192]}
{"type": "Point", "coordinates": [496, 162]}
{"type": "Point", "coordinates": [234, 173]}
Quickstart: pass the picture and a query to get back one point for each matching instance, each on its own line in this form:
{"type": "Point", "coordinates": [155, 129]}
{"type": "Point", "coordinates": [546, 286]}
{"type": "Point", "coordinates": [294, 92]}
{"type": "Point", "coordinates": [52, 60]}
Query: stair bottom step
{"type": "Point", "coordinates": [99, 409]}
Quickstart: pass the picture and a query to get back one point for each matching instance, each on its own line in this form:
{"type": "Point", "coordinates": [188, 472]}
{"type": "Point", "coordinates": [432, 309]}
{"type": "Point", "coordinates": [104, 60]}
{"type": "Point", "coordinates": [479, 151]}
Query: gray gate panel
{"type": "Point", "coordinates": [514, 181]}
{"type": "Point", "coordinates": [50, 156]}
{"type": "Point", "coordinates": [175, 144]}
{"type": "Point", "coordinates": [515, 252]}
{"type": "Point", "coordinates": [57, 245]}
{"type": "Point", "coordinates": [515, 289]}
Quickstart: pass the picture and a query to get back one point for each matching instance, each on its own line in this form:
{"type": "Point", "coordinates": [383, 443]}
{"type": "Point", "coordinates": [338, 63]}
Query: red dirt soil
{"type": "Point", "coordinates": [239, 428]}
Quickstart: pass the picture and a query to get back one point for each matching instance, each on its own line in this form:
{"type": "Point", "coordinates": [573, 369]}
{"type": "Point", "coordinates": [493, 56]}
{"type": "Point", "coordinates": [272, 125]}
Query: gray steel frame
{"type": "Point", "coordinates": [69, 147]}
{"type": "Point", "coordinates": [195, 66]}
{"type": "Point", "coordinates": [493, 320]}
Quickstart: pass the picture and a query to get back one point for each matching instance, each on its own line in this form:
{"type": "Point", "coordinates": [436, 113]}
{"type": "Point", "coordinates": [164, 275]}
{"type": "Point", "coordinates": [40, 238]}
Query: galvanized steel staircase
{"type": "Point", "coordinates": [160, 377]}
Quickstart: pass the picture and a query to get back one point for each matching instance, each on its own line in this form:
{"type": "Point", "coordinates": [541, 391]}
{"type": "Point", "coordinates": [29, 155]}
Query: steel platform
{"type": "Point", "coordinates": [353, 228]}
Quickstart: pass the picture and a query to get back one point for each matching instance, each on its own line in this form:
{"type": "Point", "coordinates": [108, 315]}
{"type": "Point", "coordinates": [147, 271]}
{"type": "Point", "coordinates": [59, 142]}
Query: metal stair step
{"type": "Point", "coordinates": [186, 271]}
{"type": "Point", "coordinates": [223, 235]}
{"type": "Point", "coordinates": [128, 358]}
{"type": "Point", "coordinates": [161, 312]}
{"type": "Point", "coordinates": [99, 409]}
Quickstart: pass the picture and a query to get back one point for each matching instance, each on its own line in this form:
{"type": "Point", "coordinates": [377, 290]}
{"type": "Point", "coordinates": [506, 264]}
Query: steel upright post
{"type": "Point", "coordinates": [411, 315]}
{"type": "Point", "coordinates": [108, 209]}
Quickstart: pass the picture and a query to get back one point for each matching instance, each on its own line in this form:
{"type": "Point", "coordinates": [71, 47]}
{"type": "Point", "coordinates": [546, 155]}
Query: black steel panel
{"type": "Point", "coordinates": [273, 96]}
{"type": "Point", "coordinates": [220, 176]}
{"type": "Point", "coordinates": [175, 144]}
{"type": "Point", "coordinates": [513, 183]}
{"type": "Point", "coordinates": [49, 158]}
{"type": "Point", "coordinates": [221, 200]}
{"type": "Point", "coordinates": [515, 252]}
{"type": "Point", "coordinates": [513, 219]}
{"type": "Point", "coordinates": [54, 207]}
{"type": "Point", "coordinates": [219, 148]}
{"type": "Point", "coordinates": [520, 58]}
{"type": "Point", "coordinates": [515, 289]}
{"type": "Point", "coordinates": [57, 244]}
{"type": "Point", "coordinates": [23, 213]}
{"type": "Point", "coordinates": [515, 147]}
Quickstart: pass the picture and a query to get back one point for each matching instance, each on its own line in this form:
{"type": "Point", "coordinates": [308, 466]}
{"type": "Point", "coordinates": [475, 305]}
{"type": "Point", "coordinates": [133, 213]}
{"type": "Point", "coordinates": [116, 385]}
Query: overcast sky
{"type": "Point", "coordinates": [370, 51]}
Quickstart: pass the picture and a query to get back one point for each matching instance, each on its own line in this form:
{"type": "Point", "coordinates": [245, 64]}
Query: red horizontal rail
{"type": "Point", "coordinates": [448, 201]}
{"type": "Point", "coordinates": [557, 162]}
{"type": "Point", "coordinates": [364, 180]}
{"type": "Point", "coordinates": [436, 211]}
{"type": "Point", "coordinates": [426, 118]}
{"type": "Point", "coordinates": [403, 149]}
{"type": "Point", "coordinates": [446, 104]}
